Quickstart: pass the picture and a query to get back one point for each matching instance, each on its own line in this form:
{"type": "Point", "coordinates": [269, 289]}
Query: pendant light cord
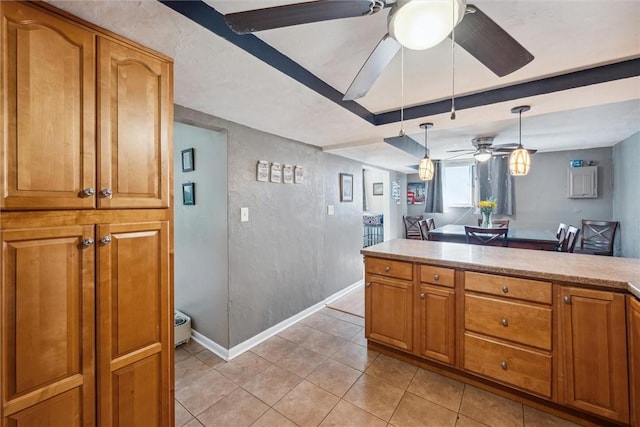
{"type": "Point", "coordinates": [453, 63]}
{"type": "Point", "coordinates": [520, 129]}
{"type": "Point", "coordinates": [402, 91]}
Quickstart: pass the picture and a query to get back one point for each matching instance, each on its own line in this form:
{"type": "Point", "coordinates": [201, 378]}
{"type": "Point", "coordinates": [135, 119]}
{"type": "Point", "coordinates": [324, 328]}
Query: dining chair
{"type": "Point", "coordinates": [411, 227]}
{"type": "Point", "coordinates": [570, 239]}
{"type": "Point", "coordinates": [597, 237]}
{"type": "Point", "coordinates": [486, 236]}
{"type": "Point", "coordinates": [431, 223]}
{"type": "Point", "coordinates": [423, 224]}
{"type": "Point", "coordinates": [500, 222]}
{"type": "Point", "coordinates": [560, 235]}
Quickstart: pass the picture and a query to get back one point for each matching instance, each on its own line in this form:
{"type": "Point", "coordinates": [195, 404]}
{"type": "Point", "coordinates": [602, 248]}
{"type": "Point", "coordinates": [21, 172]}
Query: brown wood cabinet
{"type": "Point", "coordinates": [436, 313]}
{"type": "Point", "coordinates": [389, 303]}
{"type": "Point", "coordinates": [87, 316]}
{"type": "Point", "coordinates": [594, 352]}
{"type": "Point", "coordinates": [633, 325]}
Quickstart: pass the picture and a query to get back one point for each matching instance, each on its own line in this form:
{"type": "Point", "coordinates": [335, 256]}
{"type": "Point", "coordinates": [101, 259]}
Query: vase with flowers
{"type": "Point", "coordinates": [486, 207]}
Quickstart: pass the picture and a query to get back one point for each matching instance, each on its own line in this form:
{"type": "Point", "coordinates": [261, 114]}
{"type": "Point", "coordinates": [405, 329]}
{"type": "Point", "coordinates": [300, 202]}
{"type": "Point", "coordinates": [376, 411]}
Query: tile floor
{"type": "Point", "coordinates": [319, 372]}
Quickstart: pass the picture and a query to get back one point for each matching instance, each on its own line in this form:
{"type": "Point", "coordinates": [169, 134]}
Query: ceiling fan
{"type": "Point", "coordinates": [474, 31]}
{"type": "Point", "coordinates": [484, 149]}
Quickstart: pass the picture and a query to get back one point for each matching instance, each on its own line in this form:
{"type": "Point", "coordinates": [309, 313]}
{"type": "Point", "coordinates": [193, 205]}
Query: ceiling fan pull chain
{"type": "Point", "coordinates": [453, 62]}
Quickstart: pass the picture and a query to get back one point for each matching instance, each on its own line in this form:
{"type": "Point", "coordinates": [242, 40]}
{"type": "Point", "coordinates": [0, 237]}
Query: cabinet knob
{"type": "Point", "coordinates": [89, 191]}
{"type": "Point", "coordinates": [105, 240]}
{"type": "Point", "coordinates": [505, 290]}
{"type": "Point", "coordinates": [87, 242]}
{"type": "Point", "coordinates": [106, 192]}
{"type": "Point", "coordinates": [387, 268]}
{"type": "Point", "coordinates": [567, 299]}
{"type": "Point", "coordinates": [436, 277]}
{"type": "Point", "coordinates": [422, 295]}
{"type": "Point", "coordinates": [504, 365]}
{"type": "Point", "coordinates": [504, 322]}
{"type": "Point", "coordinates": [367, 284]}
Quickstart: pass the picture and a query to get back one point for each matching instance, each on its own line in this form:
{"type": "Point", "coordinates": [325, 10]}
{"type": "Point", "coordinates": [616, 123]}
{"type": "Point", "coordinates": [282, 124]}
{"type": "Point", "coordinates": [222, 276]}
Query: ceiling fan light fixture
{"type": "Point", "coordinates": [425, 167]}
{"type": "Point", "coordinates": [421, 24]}
{"type": "Point", "coordinates": [482, 155]}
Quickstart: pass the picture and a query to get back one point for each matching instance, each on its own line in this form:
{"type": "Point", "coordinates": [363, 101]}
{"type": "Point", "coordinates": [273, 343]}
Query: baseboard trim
{"type": "Point", "coordinates": [229, 354]}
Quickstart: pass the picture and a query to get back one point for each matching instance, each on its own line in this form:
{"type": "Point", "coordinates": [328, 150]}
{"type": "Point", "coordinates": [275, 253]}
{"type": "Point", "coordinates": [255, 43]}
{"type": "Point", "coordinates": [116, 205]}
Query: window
{"type": "Point", "coordinates": [457, 184]}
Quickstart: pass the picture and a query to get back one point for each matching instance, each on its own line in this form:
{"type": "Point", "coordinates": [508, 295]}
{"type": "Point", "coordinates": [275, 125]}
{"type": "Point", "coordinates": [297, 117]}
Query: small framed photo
{"type": "Point", "coordinates": [346, 187]}
{"type": "Point", "coordinates": [276, 172]}
{"type": "Point", "coordinates": [262, 172]}
{"type": "Point", "coordinates": [188, 160]}
{"type": "Point", "coordinates": [189, 193]}
{"type": "Point", "coordinates": [377, 189]}
{"type": "Point", "coordinates": [298, 175]}
{"type": "Point", "coordinates": [287, 174]}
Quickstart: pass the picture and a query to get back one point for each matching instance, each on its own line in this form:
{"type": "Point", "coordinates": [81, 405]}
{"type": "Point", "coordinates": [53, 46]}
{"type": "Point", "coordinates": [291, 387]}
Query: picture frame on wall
{"type": "Point", "coordinates": [189, 193]}
{"type": "Point", "coordinates": [188, 160]}
{"type": "Point", "coordinates": [346, 187]}
{"type": "Point", "coordinates": [287, 174]}
{"type": "Point", "coordinates": [416, 193]}
{"type": "Point", "coordinates": [377, 189]}
{"type": "Point", "coordinates": [262, 171]}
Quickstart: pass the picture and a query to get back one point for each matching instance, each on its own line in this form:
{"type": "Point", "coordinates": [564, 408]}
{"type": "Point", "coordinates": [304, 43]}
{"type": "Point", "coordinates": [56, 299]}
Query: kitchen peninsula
{"type": "Point", "coordinates": [554, 329]}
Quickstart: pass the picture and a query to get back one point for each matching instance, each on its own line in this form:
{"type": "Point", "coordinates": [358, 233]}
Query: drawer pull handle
{"type": "Point", "coordinates": [504, 365]}
{"type": "Point", "coordinates": [505, 290]}
{"type": "Point", "coordinates": [368, 284]}
{"type": "Point", "coordinates": [387, 268]}
{"type": "Point", "coordinates": [105, 240]}
{"type": "Point", "coordinates": [89, 191]}
{"type": "Point", "coordinates": [436, 277]}
{"type": "Point", "coordinates": [567, 299]}
{"type": "Point", "coordinates": [87, 242]}
{"type": "Point", "coordinates": [106, 192]}
{"type": "Point", "coordinates": [422, 295]}
{"type": "Point", "coordinates": [504, 322]}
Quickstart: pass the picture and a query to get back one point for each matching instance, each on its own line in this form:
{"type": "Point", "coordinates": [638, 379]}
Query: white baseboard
{"type": "Point", "coordinates": [228, 354]}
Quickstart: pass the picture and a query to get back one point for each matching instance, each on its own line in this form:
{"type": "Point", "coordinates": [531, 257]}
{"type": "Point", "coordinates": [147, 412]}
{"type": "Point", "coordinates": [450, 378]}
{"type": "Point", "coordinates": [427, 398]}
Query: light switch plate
{"type": "Point", "coordinates": [244, 214]}
{"type": "Point", "coordinates": [331, 210]}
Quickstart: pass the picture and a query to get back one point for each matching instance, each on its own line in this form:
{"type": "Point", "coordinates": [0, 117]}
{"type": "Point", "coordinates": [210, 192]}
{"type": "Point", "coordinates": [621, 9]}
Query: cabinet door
{"type": "Point", "coordinates": [389, 312]}
{"type": "Point", "coordinates": [583, 182]}
{"type": "Point", "coordinates": [48, 313]}
{"type": "Point", "coordinates": [633, 324]}
{"type": "Point", "coordinates": [135, 105]}
{"type": "Point", "coordinates": [594, 352]}
{"type": "Point", "coordinates": [437, 323]}
{"type": "Point", "coordinates": [134, 358]}
{"type": "Point", "coordinates": [48, 111]}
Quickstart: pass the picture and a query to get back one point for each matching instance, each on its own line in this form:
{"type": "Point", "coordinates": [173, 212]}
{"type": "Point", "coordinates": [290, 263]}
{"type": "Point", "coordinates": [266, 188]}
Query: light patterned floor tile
{"type": "Point", "coordinates": [356, 356]}
{"type": "Point", "coordinates": [272, 418]}
{"type": "Point", "coordinates": [375, 395]}
{"type": "Point", "coordinates": [274, 349]}
{"type": "Point", "coordinates": [331, 325]}
{"type": "Point", "coordinates": [243, 367]}
{"type": "Point", "coordinates": [491, 409]}
{"type": "Point", "coordinates": [347, 414]}
{"type": "Point", "coordinates": [188, 370]}
{"type": "Point", "coordinates": [271, 384]}
{"type": "Point", "coordinates": [394, 371]}
{"type": "Point", "coordinates": [416, 411]}
{"type": "Point", "coordinates": [237, 409]}
{"type": "Point", "coordinates": [307, 404]}
{"type": "Point", "coordinates": [334, 377]}
{"type": "Point", "coordinates": [204, 392]}
{"type": "Point", "coordinates": [301, 361]}
{"type": "Point", "coordinates": [437, 388]}
{"type": "Point", "coordinates": [209, 358]}
{"type": "Point", "coordinates": [182, 416]}
{"type": "Point", "coordinates": [536, 418]}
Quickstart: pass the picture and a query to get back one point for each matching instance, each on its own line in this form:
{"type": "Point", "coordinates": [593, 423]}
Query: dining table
{"type": "Point", "coordinates": [516, 237]}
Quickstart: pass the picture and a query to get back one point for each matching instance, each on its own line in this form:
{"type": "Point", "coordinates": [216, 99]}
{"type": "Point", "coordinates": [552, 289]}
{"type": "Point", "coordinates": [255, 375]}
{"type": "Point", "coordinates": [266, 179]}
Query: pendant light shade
{"type": "Point", "coordinates": [425, 167]}
{"type": "Point", "coordinates": [520, 160]}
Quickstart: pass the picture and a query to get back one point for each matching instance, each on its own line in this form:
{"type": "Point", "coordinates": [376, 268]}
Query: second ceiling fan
{"type": "Point", "coordinates": [415, 24]}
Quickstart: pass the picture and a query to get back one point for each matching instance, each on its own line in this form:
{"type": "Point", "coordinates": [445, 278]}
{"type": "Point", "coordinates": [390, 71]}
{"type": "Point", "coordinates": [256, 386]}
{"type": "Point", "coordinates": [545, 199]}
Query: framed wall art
{"type": "Point", "coordinates": [416, 193]}
{"type": "Point", "coordinates": [346, 187]}
{"type": "Point", "coordinates": [298, 175]}
{"type": "Point", "coordinates": [287, 174]}
{"type": "Point", "coordinates": [262, 171]}
{"type": "Point", "coordinates": [188, 160]}
{"type": "Point", "coordinates": [189, 193]}
{"type": "Point", "coordinates": [377, 189]}
{"type": "Point", "coordinates": [276, 172]}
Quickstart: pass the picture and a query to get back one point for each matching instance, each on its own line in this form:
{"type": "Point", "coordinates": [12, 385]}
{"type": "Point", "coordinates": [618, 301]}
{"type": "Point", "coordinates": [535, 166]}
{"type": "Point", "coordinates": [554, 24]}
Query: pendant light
{"type": "Point", "coordinates": [425, 168]}
{"type": "Point", "coordinates": [520, 161]}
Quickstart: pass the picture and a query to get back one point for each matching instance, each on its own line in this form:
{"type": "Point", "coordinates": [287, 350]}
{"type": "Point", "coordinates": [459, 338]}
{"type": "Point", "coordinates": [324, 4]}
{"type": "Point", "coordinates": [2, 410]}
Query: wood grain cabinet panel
{"type": "Point", "coordinates": [436, 323]}
{"type": "Point", "coordinates": [64, 410]}
{"type": "Point", "coordinates": [133, 314]}
{"type": "Point", "coordinates": [508, 287]}
{"type": "Point", "coordinates": [633, 330]}
{"type": "Point", "coordinates": [48, 324]}
{"type": "Point", "coordinates": [49, 135]}
{"type": "Point", "coordinates": [135, 119]}
{"type": "Point", "coordinates": [594, 352]}
{"type": "Point", "coordinates": [389, 311]}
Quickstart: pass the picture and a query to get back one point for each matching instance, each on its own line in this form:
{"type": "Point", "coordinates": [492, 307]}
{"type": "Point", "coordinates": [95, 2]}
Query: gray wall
{"type": "Point", "coordinates": [541, 196]}
{"type": "Point", "coordinates": [200, 232]}
{"type": "Point", "coordinates": [375, 204]}
{"type": "Point", "coordinates": [291, 254]}
{"type": "Point", "coordinates": [626, 200]}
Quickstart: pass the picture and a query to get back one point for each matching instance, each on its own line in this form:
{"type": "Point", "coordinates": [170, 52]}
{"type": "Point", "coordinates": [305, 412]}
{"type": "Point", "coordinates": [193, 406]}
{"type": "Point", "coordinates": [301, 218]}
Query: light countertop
{"type": "Point", "coordinates": [591, 270]}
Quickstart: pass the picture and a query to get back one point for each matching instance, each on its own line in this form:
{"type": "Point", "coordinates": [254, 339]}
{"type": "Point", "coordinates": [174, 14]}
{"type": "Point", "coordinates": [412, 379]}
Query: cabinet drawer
{"type": "Point", "coordinates": [526, 369]}
{"type": "Point", "coordinates": [522, 323]}
{"type": "Point", "coordinates": [437, 275]}
{"type": "Point", "coordinates": [508, 287]}
{"type": "Point", "coordinates": [389, 268]}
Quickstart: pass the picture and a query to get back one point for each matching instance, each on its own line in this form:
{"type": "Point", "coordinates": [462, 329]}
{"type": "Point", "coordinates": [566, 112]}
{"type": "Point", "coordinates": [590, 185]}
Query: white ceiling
{"type": "Point", "coordinates": [216, 77]}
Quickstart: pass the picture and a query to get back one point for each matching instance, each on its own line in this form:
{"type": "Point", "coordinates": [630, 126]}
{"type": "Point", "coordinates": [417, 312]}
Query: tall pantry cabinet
{"type": "Point", "coordinates": [85, 224]}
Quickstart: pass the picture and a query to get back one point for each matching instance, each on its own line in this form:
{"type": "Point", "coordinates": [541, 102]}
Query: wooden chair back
{"type": "Point", "coordinates": [570, 239]}
{"type": "Point", "coordinates": [497, 222]}
{"type": "Point", "coordinates": [431, 223]}
{"type": "Point", "coordinates": [486, 236]}
{"type": "Point", "coordinates": [424, 229]}
{"type": "Point", "coordinates": [598, 236]}
{"type": "Point", "coordinates": [411, 227]}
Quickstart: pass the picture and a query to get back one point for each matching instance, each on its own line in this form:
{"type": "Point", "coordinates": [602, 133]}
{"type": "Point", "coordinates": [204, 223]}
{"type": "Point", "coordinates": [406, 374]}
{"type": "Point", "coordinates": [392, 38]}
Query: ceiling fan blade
{"type": "Point", "coordinates": [294, 14]}
{"type": "Point", "coordinates": [372, 68]}
{"type": "Point", "coordinates": [469, 150]}
{"type": "Point", "coordinates": [490, 44]}
{"type": "Point", "coordinates": [509, 150]}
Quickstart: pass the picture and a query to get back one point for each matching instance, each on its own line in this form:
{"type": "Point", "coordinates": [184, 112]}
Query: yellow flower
{"type": "Point", "coordinates": [487, 205]}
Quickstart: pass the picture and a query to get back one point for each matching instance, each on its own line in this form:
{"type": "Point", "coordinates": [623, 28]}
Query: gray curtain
{"type": "Point", "coordinates": [433, 200]}
{"type": "Point", "coordinates": [496, 183]}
